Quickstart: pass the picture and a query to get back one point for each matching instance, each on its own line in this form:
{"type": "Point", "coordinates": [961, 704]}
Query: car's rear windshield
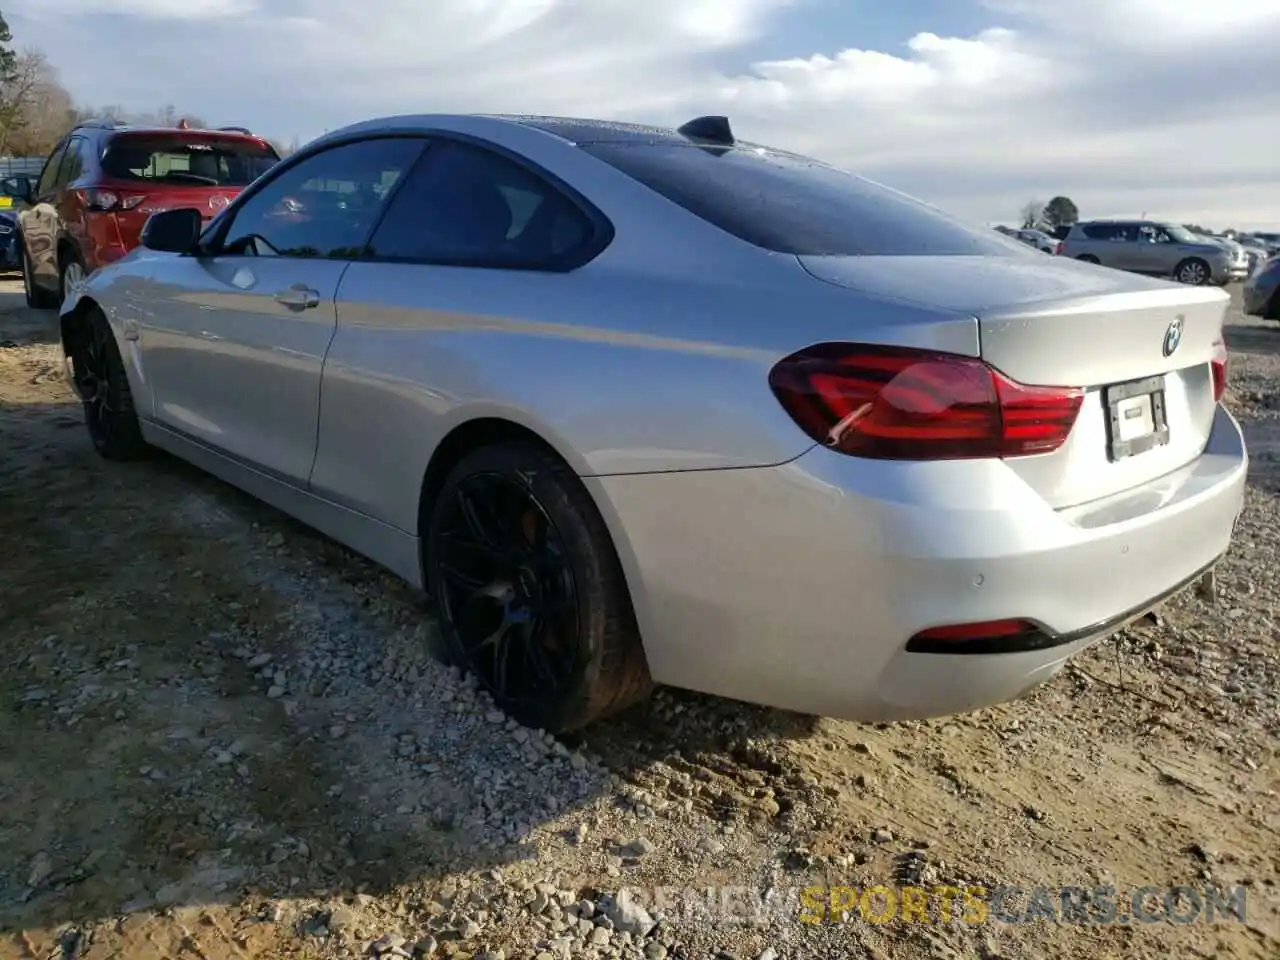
{"type": "Point", "coordinates": [211, 162]}
{"type": "Point", "coordinates": [792, 204]}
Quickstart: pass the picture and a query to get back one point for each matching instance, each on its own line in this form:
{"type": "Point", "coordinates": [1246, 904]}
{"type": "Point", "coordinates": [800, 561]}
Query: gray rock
{"type": "Point", "coordinates": [41, 868]}
{"type": "Point", "coordinates": [637, 848]}
{"type": "Point", "coordinates": [386, 943]}
{"type": "Point", "coordinates": [628, 916]}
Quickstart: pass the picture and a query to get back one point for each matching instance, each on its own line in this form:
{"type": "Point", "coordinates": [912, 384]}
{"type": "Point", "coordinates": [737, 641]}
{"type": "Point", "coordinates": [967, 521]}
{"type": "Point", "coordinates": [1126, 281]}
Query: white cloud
{"type": "Point", "coordinates": [1128, 106]}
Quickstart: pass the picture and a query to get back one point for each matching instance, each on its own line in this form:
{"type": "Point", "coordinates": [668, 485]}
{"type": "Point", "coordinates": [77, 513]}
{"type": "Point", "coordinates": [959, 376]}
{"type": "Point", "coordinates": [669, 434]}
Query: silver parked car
{"type": "Point", "coordinates": [641, 405]}
{"type": "Point", "coordinates": [1157, 249]}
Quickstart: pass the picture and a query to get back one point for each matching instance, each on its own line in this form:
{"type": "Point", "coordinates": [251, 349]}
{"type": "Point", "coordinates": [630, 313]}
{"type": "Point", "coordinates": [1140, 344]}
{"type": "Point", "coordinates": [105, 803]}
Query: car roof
{"type": "Point", "coordinates": [579, 130]}
{"type": "Point", "coordinates": [571, 130]}
{"type": "Point", "coordinates": [110, 128]}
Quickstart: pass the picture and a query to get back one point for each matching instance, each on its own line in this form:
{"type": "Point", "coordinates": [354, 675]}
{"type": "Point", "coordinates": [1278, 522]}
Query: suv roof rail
{"type": "Point", "coordinates": [236, 130]}
{"type": "Point", "coordinates": [99, 123]}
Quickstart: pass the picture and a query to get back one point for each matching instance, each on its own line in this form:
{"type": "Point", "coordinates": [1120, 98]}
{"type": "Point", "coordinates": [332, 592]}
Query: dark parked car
{"type": "Point", "coordinates": [8, 240]}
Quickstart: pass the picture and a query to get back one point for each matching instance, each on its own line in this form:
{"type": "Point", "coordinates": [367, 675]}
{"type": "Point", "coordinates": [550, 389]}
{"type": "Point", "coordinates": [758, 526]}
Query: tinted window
{"type": "Point", "coordinates": [325, 205]}
{"type": "Point", "coordinates": [1110, 231]}
{"type": "Point", "coordinates": [49, 175]}
{"type": "Point", "coordinates": [468, 206]}
{"type": "Point", "coordinates": [172, 158]}
{"type": "Point", "coordinates": [793, 204]}
{"type": "Point", "coordinates": [73, 162]}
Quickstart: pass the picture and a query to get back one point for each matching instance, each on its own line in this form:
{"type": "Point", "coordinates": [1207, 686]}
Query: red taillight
{"type": "Point", "coordinates": [976, 631]}
{"type": "Point", "coordinates": [1218, 365]}
{"type": "Point", "coordinates": [991, 636]}
{"type": "Point", "coordinates": [899, 403]}
{"type": "Point", "coordinates": [106, 201]}
{"type": "Point", "coordinates": [1057, 251]}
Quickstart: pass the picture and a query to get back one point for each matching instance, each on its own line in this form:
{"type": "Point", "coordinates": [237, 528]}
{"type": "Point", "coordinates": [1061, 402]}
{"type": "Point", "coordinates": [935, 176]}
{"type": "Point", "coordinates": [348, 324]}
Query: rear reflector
{"type": "Point", "coordinates": [992, 636]}
{"type": "Point", "coordinates": [1218, 365]}
{"type": "Point", "coordinates": [899, 403]}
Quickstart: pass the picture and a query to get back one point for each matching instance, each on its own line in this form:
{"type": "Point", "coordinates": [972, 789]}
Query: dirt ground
{"type": "Point", "coordinates": [221, 737]}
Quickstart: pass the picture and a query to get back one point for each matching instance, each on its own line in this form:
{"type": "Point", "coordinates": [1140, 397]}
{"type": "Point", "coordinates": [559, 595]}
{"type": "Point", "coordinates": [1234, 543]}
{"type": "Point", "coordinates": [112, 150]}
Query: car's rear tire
{"type": "Point", "coordinates": [100, 380]}
{"type": "Point", "coordinates": [1088, 258]}
{"type": "Point", "coordinates": [71, 270]}
{"type": "Point", "coordinates": [1193, 271]}
{"type": "Point", "coordinates": [37, 299]}
{"type": "Point", "coordinates": [529, 589]}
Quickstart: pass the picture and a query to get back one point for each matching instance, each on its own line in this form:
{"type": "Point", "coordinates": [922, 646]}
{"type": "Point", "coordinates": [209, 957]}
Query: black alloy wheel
{"type": "Point", "coordinates": [508, 588]}
{"type": "Point", "coordinates": [529, 590]}
{"type": "Point", "coordinates": [102, 385]}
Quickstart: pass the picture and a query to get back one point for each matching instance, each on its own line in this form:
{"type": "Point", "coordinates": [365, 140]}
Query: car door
{"type": "Point", "coordinates": [39, 222]}
{"type": "Point", "coordinates": [1146, 249]}
{"type": "Point", "coordinates": [473, 243]}
{"type": "Point", "coordinates": [1120, 250]}
{"type": "Point", "coordinates": [234, 341]}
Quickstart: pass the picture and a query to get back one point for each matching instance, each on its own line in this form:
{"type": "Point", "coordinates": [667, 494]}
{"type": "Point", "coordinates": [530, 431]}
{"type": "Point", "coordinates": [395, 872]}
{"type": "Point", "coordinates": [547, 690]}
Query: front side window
{"type": "Point", "coordinates": [468, 206]}
{"type": "Point", "coordinates": [323, 206]}
{"type": "Point", "coordinates": [792, 204]}
{"type": "Point", "coordinates": [49, 175]}
{"type": "Point", "coordinates": [183, 160]}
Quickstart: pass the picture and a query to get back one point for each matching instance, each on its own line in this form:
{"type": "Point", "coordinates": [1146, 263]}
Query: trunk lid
{"type": "Point", "coordinates": [154, 170]}
{"type": "Point", "coordinates": [1061, 323]}
{"type": "Point", "coordinates": [148, 199]}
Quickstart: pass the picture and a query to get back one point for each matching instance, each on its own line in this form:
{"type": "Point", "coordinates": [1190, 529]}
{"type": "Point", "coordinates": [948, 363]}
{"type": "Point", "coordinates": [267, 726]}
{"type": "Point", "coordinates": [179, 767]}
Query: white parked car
{"type": "Point", "coordinates": [1040, 240]}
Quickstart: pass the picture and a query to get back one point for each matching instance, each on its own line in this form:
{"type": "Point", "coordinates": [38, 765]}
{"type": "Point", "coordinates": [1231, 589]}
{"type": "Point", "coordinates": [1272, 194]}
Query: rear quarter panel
{"type": "Point", "coordinates": [622, 369]}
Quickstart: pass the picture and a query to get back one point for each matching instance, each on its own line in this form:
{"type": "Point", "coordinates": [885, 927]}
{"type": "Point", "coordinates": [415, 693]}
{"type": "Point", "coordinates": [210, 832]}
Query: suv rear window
{"type": "Point", "coordinates": [791, 204]}
{"type": "Point", "coordinates": [212, 162]}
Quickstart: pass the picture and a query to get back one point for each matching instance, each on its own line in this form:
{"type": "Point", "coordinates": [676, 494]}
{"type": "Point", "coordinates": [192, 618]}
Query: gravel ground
{"type": "Point", "coordinates": [221, 737]}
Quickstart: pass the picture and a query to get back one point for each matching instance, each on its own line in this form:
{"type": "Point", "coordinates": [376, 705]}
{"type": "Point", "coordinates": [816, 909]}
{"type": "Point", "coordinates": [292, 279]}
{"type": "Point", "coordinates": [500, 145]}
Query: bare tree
{"type": "Point", "coordinates": [1031, 215]}
{"type": "Point", "coordinates": [35, 109]}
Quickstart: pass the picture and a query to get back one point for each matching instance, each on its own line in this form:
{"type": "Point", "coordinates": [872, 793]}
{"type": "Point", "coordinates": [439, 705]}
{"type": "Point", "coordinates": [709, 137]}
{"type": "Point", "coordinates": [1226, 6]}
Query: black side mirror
{"type": "Point", "coordinates": [19, 188]}
{"type": "Point", "coordinates": [173, 231]}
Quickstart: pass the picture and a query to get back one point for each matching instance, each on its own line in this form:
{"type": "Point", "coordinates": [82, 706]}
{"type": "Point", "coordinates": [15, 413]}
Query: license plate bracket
{"type": "Point", "coordinates": [1136, 417]}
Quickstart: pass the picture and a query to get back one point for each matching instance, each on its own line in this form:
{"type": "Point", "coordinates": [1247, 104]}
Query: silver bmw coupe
{"type": "Point", "coordinates": [638, 405]}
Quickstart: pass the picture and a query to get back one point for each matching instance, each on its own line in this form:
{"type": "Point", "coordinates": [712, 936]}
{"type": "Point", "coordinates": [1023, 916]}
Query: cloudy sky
{"type": "Point", "coordinates": [1163, 107]}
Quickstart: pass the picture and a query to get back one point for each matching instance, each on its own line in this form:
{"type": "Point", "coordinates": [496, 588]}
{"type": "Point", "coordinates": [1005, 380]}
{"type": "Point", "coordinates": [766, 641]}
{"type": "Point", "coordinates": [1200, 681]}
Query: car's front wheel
{"type": "Point", "coordinates": [36, 298]}
{"type": "Point", "coordinates": [1193, 271]}
{"type": "Point", "coordinates": [102, 384]}
{"type": "Point", "coordinates": [529, 589]}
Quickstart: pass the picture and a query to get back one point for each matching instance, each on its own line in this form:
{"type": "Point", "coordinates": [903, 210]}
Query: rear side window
{"type": "Point", "coordinates": [1119, 232]}
{"type": "Point", "coordinates": [208, 162]}
{"type": "Point", "coordinates": [791, 204]}
{"type": "Point", "coordinates": [468, 206]}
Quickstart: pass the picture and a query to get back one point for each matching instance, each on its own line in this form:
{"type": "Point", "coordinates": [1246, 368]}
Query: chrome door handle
{"type": "Point", "coordinates": [300, 296]}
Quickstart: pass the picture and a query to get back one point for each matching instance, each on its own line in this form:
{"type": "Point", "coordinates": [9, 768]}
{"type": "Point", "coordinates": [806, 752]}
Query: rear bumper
{"type": "Point", "coordinates": [799, 586]}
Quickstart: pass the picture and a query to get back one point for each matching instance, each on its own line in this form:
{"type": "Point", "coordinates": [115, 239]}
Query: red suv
{"type": "Point", "coordinates": [102, 182]}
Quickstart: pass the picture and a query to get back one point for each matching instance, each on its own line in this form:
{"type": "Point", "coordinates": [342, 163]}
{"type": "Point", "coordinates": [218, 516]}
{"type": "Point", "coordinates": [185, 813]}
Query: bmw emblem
{"type": "Point", "coordinates": [1173, 335]}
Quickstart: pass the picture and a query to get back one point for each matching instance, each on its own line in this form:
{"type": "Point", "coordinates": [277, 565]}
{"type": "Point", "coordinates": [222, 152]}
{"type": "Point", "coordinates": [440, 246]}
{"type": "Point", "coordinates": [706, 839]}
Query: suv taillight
{"type": "Point", "coordinates": [1218, 366]}
{"type": "Point", "coordinates": [105, 201]}
{"type": "Point", "coordinates": [899, 403]}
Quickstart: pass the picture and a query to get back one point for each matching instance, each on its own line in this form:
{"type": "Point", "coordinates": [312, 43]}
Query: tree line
{"type": "Point", "coordinates": [36, 110]}
{"type": "Point", "coordinates": [1058, 212]}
